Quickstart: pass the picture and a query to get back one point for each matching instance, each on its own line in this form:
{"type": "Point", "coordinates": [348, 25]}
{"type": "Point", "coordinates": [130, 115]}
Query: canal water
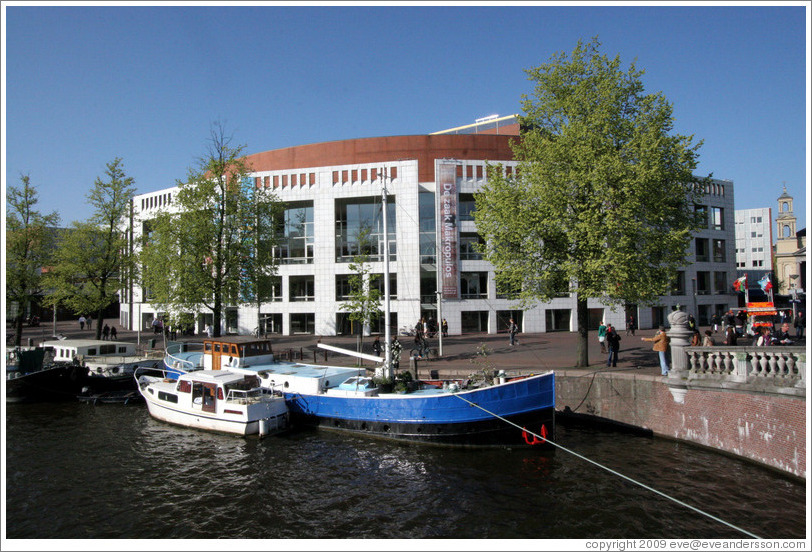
{"type": "Point", "coordinates": [78, 471]}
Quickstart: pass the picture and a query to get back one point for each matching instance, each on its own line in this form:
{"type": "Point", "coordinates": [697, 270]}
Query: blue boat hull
{"type": "Point", "coordinates": [444, 419]}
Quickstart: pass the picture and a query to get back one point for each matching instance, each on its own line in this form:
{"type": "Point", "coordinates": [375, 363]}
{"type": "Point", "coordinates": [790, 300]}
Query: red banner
{"type": "Point", "coordinates": [447, 217]}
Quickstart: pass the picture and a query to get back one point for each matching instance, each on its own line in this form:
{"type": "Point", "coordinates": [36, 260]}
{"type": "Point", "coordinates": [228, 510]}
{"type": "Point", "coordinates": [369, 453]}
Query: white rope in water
{"type": "Point", "coordinates": [610, 470]}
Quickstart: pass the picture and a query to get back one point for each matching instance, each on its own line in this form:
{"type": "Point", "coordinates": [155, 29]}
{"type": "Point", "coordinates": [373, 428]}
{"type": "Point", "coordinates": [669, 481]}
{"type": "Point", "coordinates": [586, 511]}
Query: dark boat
{"type": "Point", "coordinates": [30, 377]}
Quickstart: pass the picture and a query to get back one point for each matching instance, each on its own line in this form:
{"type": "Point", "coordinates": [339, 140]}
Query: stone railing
{"type": "Point", "coordinates": [777, 369]}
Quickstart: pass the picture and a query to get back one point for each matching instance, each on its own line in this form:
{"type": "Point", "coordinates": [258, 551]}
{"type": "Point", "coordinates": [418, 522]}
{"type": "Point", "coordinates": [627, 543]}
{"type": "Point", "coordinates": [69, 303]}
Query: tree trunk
{"type": "Point", "coordinates": [99, 323]}
{"type": "Point", "coordinates": [18, 330]}
{"type": "Point", "coordinates": [583, 333]}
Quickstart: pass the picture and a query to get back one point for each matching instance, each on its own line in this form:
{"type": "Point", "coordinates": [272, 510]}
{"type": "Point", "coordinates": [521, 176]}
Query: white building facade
{"type": "Point", "coordinates": [330, 190]}
{"type": "Point", "coordinates": [754, 240]}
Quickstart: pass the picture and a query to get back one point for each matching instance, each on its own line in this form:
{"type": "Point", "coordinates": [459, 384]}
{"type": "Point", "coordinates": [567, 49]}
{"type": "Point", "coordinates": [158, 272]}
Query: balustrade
{"type": "Point", "coordinates": [780, 367]}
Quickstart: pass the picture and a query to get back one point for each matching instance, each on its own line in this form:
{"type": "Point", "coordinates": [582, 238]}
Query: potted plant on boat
{"type": "Point", "coordinates": [384, 384]}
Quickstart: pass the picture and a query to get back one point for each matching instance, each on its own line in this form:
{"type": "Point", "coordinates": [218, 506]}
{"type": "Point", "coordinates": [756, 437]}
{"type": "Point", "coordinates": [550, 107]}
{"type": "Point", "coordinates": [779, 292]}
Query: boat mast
{"type": "Point", "coordinates": [387, 366]}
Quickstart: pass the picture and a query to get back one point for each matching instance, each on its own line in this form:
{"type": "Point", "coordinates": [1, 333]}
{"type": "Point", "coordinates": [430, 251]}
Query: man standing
{"type": "Point", "coordinates": [800, 324]}
{"type": "Point", "coordinates": [512, 329]}
{"type": "Point", "coordinates": [661, 346]}
{"type": "Point", "coordinates": [613, 342]}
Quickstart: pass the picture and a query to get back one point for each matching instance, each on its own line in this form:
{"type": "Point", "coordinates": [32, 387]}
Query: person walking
{"type": "Point", "coordinates": [730, 336]}
{"type": "Point", "coordinates": [445, 327]}
{"type": "Point", "coordinates": [602, 337]}
{"type": "Point", "coordinates": [113, 333]}
{"type": "Point", "coordinates": [106, 332]}
{"type": "Point", "coordinates": [630, 327]}
{"type": "Point", "coordinates": [707, 341]}
{"type": "Point", "coordinates": [715, 322]}
{"type": "Point", "coordinates": [613, 343]}
{"type": "Point", "coordinates": [82, 322]}
{"type": "Point", "coordinates": [376, 346]}
{"type": "Point", "coordinates": [660, 344]}
{"type": "Point", "coordinates": [513, 329]}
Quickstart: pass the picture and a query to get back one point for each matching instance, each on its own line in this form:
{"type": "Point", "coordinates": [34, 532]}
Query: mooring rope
{"type": "Point", "coordinates": [610, 470]}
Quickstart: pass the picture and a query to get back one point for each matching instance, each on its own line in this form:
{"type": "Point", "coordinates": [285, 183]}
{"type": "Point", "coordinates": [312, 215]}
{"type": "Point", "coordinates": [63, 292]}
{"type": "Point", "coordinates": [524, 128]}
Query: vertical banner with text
{"type": "Point", "coordinates": [448, 231]}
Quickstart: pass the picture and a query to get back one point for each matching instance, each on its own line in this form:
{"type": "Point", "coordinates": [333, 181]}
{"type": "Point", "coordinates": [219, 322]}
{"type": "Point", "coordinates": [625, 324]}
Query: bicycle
{"type": "Point", "coordinates": [422, 352]}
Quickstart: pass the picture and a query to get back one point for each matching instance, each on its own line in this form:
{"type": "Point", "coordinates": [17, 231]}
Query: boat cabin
{"type": "Point", "coordinates": [235, 352]}
{"type": "Point", "coordinates": [66, 350]}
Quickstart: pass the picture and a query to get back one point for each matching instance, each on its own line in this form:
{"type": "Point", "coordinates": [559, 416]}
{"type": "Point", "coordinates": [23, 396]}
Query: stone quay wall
{"type": "Point", "coordinates": [767, 428]}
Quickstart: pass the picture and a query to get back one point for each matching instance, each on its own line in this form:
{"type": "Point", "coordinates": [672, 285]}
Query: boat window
{"type": "Point", "coordinates": [91, 352]}
{"type": "Point", "coordinates": [107, 349]}
{"type": "Point", "coordinates": [185, 386]}
{"type": "Point", "coordinates": [207, 347]}
{"type": "Point", "coordinates": [122, 349]}
{"type": "Point", "coordinates": [220, 393]}
{"type": "Point", "coordinates": [235, 351]}
{"type": "Point", "coordinates": [168, 397]}
{"type": "Point", "coordinates": [216, 347]}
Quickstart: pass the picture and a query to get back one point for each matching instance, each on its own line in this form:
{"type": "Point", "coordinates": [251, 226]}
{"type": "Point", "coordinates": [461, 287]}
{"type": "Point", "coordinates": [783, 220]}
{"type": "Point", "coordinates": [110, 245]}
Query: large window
{"type": "Point", "coordinates": [702, 252]}
{"type": "Point", "coordinates": [359, 228]}
{"type": "Point", "coordinates": [678, 288]}
{"type": "Point", "coordinates": [474, 285]}
{"type": "Point", "coordinates": [302, 288]}
{"type": "Point", "coordinates": [296, 241]}
{"type": "Point", "coordinates": [428, 239]}
{"type": "Point", "coordinates": [719, 251]}
{"type": "Point", "coordinates": [717, 218]}
{"type": "Point", "coordinates": [720, 283]}
{"type": "Point", "coordinates": [702, 215]}
{"type": "Point", "coordinates": [467, 206]}
{"type": "Point", "coordinates": [469, 244]}
{"type": "Point", "coordinates": [703, 283]}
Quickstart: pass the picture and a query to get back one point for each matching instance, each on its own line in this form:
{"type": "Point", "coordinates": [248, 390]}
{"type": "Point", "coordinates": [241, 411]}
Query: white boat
{"type": "Point", "coordinates": [110, 364]}
{"type": "Point", "coordinates": [215, 400]}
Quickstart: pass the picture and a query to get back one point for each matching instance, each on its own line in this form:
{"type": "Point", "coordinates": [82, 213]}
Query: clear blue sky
{"type": "Point", "coordinates": [84, 85]}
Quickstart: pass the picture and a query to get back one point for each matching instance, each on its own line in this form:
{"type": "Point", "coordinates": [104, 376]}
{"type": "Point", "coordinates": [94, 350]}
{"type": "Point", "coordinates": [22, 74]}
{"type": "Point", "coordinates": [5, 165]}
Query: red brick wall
{"type": "Point", "coordinates": [764, 428]}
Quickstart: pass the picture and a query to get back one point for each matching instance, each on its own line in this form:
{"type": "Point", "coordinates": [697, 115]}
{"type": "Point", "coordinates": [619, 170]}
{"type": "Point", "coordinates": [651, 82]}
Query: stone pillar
{"type": "Point", "coordinates": [680, 338]}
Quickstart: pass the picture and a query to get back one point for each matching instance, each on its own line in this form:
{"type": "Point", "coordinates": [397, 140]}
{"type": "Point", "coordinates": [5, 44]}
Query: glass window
{"type": "Point", "coordinates": [719, 254]}
{"type": "Point", "coordinates": [469, 242]}
{"type": "Point", "coordinates": [717, 218]}
{"type": "Point", "coordinates": [701, 212]}
{"type": "Point", "coordinates": [302, 288]}
{"type": "Point", "coordinates": [296, 239]}
{"type": "Point", "coordinates": [359, 228]}
{"type": "Point", "coordinates": [474, 285]}
{"type": "Point", "coordinates": [702, 253]}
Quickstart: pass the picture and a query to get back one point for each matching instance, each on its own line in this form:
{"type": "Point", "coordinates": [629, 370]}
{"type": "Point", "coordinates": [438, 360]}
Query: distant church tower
{"type": "Point", "coordinates": [786, 245]}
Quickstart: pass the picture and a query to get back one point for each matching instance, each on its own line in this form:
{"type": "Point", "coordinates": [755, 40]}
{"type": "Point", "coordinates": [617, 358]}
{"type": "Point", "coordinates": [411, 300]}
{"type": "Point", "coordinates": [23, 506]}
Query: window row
{"type": "Point", "coordinates": [705, 283]}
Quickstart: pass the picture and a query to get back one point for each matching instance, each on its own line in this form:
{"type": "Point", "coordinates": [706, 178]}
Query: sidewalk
{"type": "Point", "coordinates": [534, 352]}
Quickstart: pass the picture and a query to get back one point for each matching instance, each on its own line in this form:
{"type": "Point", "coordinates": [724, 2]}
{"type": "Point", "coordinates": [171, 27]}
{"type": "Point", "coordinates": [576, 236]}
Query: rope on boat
{"type": "Point", "coordinates": [610, 470]}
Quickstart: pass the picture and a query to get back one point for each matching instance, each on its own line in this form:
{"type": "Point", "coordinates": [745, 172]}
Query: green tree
{"type": "Point", "coordinates": [602, 201]}
{"type": "Point", "coordinates": [364, 304]}
{"type": "Point", "coordinates": [29, 246]}
{"type": "Point", "coordinates": [214, 247]}
{"type": "Point", "coordinates": [93, 255]}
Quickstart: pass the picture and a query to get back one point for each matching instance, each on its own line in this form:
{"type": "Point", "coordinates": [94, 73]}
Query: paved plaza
{"type": "Point", "coordinates": [533, 353]}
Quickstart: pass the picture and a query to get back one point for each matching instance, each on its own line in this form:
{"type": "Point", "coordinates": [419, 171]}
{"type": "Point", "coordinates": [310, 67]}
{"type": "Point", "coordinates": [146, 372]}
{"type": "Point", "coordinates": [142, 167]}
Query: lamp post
{"type": "Point", "coordinates": [793, 290]}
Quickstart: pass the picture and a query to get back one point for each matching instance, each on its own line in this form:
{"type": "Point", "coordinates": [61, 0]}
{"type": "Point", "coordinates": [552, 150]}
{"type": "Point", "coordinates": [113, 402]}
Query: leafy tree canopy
{"type": "Point", "coordinates": [213, 246]}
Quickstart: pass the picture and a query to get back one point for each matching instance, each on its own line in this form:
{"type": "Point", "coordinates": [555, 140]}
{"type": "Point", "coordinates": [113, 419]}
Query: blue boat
{"type": "Point", "coordinates": [517, 412]}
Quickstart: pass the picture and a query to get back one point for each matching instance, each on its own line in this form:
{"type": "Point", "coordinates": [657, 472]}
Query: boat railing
{"type": "Point", "coordinates": [248, 396]}
{"type": "Point", "coordinates": [174, 349]}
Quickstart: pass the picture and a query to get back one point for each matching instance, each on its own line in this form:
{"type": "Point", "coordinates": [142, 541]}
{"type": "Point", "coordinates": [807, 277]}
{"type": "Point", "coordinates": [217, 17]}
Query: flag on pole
{"type": "Point", "coordinates": [740, 284]}
{"type": "Point", "coordinates": [765, 283]}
